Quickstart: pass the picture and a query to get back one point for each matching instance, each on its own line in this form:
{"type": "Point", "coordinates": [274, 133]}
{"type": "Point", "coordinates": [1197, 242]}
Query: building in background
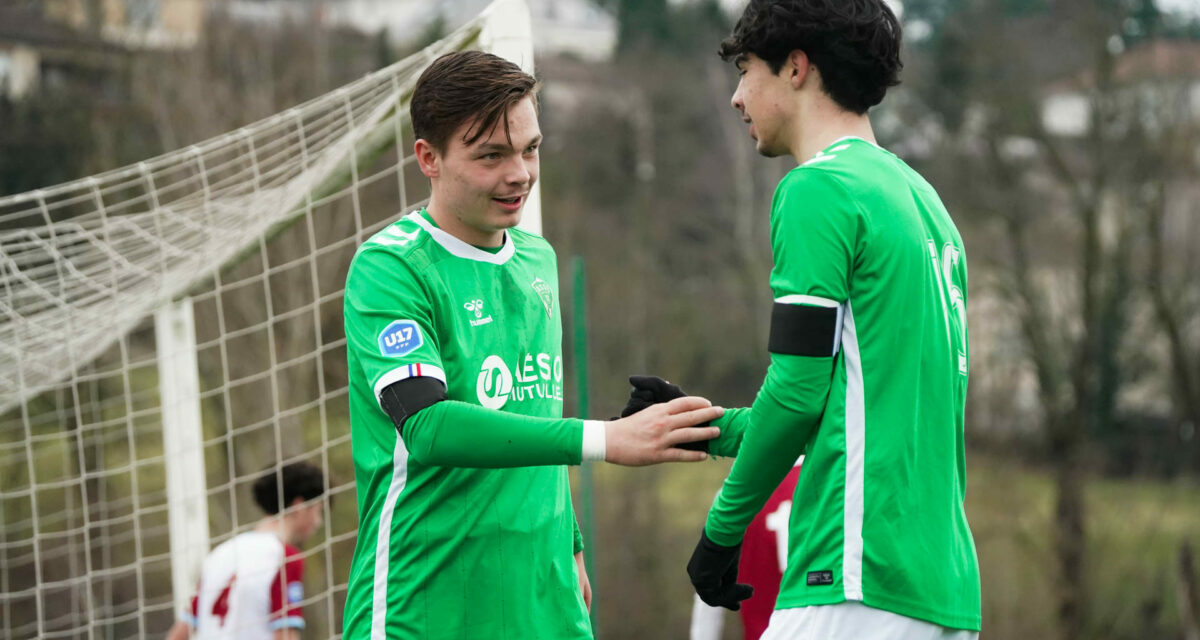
{"type": "Point", "coordinates": [137, 24]}
{"type": "Point", "coordinates": [37, 51]}
{"type": "Point", "coordinates": [1162, 77]}
{"type": "Point", "coordinates": [572, 27]}
{"type": "Point", "coordinates": [48, 43]}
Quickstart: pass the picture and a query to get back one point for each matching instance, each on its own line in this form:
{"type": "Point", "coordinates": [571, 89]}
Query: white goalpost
{"type": "Point", "coordinates": [182, 444]}
{"type": "Point", "coordinates": [171, 330]}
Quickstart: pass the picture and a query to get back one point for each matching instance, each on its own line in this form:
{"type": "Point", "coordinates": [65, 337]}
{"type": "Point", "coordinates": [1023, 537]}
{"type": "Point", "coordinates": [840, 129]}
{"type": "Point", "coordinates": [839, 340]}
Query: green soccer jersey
{"type": "Point", "coordinates": [878, 513]}
{"type": "Point", "coordinates": [446, 551]}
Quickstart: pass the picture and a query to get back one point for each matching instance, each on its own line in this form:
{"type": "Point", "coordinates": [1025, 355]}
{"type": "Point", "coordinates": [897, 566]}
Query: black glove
{"type": "Point", "coordinates": [713, 570]}
{"type": "Point", "coordinates": [648, 390]}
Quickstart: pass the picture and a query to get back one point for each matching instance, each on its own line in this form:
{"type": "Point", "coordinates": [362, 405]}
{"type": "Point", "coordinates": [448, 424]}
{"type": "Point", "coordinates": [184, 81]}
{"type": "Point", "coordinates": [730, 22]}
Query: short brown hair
{"type": "Point", "coordinates": [467, 86]}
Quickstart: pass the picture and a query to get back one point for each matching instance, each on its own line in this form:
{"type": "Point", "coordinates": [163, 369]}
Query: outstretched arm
{"type": "Point", "coordinates": [733, 428]}
{"type": "Point", "coordinates": [777, 429]}
{"type": "Point", "coordinates": [781, 421]}
{"type": "Point", "coordinates": [648, 391]}
{"type": "Point", "coordinates": [395, 351]}
{"type": "Point", "coordinates": [815, 229]}
{"type": "Point", "coordinates": [458, 434]}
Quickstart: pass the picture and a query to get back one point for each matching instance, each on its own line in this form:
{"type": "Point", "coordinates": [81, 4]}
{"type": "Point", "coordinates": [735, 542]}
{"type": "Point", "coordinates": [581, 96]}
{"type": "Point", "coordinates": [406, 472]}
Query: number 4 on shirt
{"type": "Point", "coordinates": [220, 607]}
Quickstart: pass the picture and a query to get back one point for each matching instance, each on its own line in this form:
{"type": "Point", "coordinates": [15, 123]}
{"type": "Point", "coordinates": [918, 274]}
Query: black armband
{"type": "Point", "coordinates": [401, 400]}
{"type": "Point", "coordinates": [804, 330]}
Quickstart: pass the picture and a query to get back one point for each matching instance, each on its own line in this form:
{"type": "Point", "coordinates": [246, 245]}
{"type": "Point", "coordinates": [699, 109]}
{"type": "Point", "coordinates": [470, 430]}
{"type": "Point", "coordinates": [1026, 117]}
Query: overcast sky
{"type": "Point", "coordinates": [1181, 6]}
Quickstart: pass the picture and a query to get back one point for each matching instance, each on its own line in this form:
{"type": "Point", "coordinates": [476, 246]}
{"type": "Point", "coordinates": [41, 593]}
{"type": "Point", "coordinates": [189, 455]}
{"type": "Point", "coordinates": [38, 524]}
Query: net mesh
{"type": "Point", "coordinates": [257, 228]}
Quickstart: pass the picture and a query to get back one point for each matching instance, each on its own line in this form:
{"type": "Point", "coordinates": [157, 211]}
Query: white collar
{"type": "Point", "coordinates": [461, 249]}
{"type": "Point", "coordinates": [845, 138]}
{"type": "Point", "coordinates": [821, 156]}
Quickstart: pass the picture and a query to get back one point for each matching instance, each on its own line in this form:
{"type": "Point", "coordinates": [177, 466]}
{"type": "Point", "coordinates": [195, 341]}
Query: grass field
{"type": "Point", "coordinates": [1135, 529]}
{"type": "Point", "coordinates": [648, 520]}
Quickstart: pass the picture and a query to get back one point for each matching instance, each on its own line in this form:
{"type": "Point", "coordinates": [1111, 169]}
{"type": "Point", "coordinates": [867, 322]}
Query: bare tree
{"type": "Point", "coordinates": [1071, 212]}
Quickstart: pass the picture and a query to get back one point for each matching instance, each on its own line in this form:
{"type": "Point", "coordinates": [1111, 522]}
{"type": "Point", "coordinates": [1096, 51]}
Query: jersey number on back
{"type": "Point", "coordinates": [777, 523]}
{"type": "Point", "coordinates": [951, 297]}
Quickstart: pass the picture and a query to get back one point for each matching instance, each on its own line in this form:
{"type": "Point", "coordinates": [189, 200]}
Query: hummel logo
{"type": "Point", "coordinates": [476, 306]}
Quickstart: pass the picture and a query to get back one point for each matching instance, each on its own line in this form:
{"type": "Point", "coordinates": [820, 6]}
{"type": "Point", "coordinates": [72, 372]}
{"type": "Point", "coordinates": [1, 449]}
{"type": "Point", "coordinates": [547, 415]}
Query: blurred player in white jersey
{"type": "Point", "coordinates": [251, 586]}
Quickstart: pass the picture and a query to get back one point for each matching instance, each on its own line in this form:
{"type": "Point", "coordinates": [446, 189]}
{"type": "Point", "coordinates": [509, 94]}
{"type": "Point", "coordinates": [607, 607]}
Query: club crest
{"type": "Point", "coordinates": [546, 294]}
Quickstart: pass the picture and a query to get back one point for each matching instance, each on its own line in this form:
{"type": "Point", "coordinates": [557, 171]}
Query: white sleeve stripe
{"type": "Point", "coordinates": [406, 371]}
{"type": "Point", "coordinates": [837, 335]}
{"type": "Point", "coordinates": [809, 300]}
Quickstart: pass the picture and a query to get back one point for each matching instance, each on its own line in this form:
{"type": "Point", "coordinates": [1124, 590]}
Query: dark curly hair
{"type": "Point", "coordinates": [855, 44]}
{"type": "Point", "coordinates": [300, 480]}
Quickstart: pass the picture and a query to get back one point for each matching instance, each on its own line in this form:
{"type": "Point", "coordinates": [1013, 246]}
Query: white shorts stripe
{"type": "Point", "coordinates": [854, 621]}
{"type": "Point", "coordinates": [852, 542]}
{"type": "Point", "coordinates": [383, 541]}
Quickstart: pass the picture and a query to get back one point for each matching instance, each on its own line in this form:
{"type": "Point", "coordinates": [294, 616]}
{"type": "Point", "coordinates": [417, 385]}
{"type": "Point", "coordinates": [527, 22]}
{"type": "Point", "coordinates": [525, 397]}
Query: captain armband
{"type": "Point", "coordinates": [806, 326]}
{"type": "Point", "coordinates": [401, 400]}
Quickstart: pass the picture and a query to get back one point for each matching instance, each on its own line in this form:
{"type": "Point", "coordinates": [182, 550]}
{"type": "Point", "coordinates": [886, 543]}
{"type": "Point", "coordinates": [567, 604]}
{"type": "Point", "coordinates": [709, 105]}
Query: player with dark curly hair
{"type": "Point", "coordinates": [868, 347]}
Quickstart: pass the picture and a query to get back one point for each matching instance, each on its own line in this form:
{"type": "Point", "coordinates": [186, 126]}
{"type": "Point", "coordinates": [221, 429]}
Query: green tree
{"type": "Point", "coordinates": [46, 139]}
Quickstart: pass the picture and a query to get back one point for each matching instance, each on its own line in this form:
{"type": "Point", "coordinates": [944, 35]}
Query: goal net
{"type": "Point", "coordinates": [171, 330]}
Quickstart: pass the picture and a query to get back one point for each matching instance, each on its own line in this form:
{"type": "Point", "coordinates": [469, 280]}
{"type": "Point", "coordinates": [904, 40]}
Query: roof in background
{"type": "Point", "coordinates": [1153, 60]}
{"type": "Point", "coordinates": [25, 24]}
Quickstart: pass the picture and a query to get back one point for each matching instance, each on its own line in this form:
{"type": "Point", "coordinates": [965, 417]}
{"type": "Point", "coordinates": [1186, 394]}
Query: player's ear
{"type": "Point", "coordinates": [428, 158]}
{"type": "Point", "coordinates": [797, 68]}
